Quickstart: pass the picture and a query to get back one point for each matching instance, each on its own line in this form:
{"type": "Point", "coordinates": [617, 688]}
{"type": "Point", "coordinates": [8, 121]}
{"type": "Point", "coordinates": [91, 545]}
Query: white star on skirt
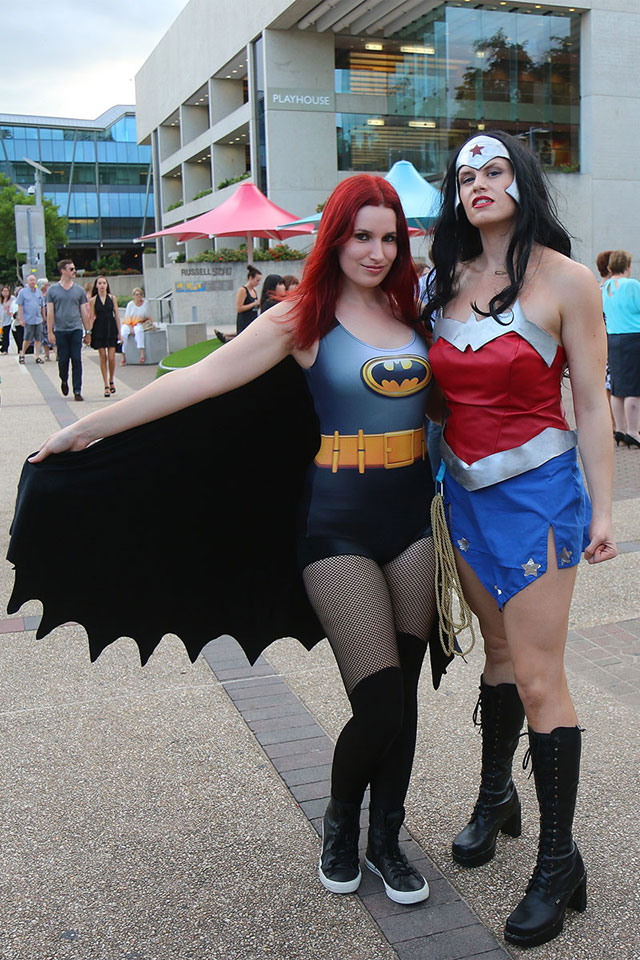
{"type": "Point", "coordinates": [566, 555]}
{"type": "Point", "coordinates": [531, 567]}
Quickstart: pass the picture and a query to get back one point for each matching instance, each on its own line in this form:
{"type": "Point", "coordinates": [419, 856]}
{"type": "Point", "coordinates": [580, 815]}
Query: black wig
{"type": "Point", "coordinates": [456, 241]}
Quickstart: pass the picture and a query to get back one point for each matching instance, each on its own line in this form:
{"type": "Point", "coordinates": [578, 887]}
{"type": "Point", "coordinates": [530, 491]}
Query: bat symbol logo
{"type": "Point", "coordinates": [397, 376]}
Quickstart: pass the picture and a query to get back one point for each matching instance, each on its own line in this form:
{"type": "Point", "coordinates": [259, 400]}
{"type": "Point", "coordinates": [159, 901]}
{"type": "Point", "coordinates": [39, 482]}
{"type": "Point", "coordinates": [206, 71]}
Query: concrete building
{"type": "Point", "coordinates": [297, 94]}
{"type": "Point", "coordinates": [100, 177]}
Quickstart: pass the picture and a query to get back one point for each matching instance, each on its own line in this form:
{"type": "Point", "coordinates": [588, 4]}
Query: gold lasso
{"type": "Point", "coordinates": [448, 581]}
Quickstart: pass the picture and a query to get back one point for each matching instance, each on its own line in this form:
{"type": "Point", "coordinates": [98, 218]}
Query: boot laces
{"type": "Point", "coordinates": [398, 861]}
{"type": "Point", "coordinates": [343, 851]}
{"type": "Point", "coordinates": [478, 710]}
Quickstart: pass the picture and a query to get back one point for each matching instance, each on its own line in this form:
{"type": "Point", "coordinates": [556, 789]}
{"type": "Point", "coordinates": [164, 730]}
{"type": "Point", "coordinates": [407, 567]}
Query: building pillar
{"type": "Point", "coordinates": [300, 122]}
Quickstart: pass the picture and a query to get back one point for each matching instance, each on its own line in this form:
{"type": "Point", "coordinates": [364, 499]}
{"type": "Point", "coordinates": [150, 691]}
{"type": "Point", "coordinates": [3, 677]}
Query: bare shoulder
{"type": "Point", "coordinates": [566, 277]}
{"type": "Point", "coordinates": [280, 320]}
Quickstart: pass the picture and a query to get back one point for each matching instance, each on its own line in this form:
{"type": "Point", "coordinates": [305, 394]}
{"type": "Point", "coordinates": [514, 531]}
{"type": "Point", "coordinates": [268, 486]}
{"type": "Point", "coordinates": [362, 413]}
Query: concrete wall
{"type": "Point", "coordinates": [121, 286]}
{"type": "Point", "coordinates": [201, 40]}
{"type": "Point", "coordinates": [611, 124]}
{"type": "Point", "coordinates": [598, 205]}
{"type": "Point", "coordinates": [209, 287]}
{"type": "Point", "coordinates": [302, 165]}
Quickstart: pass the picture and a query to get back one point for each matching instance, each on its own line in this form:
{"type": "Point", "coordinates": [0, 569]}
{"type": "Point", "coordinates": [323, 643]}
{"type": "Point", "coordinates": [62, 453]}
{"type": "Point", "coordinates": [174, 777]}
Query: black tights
{"type": "Point", "coordinates": [377, 620]}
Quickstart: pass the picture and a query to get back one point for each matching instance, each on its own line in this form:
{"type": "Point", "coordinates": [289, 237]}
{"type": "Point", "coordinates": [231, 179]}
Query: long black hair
{"type": "Point", "coordinates": [269, 296]}
{"type": "Point", "coordinates": [456, 241]}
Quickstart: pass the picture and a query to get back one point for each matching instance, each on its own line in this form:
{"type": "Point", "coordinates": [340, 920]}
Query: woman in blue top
{"type": "Point", "coordinates": [621, 304]}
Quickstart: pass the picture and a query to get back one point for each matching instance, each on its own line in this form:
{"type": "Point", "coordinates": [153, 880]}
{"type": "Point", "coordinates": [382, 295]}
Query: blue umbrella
{"type": "Point", "coordinates": [420, 201]}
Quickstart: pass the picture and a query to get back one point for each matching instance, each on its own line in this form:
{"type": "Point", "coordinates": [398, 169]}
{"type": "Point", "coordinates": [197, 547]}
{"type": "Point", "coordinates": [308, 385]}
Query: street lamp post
{"type": "Point", "coordinates": [34, 217]}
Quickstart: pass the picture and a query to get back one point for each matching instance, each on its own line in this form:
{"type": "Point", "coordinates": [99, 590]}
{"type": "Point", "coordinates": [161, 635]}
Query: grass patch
{"type": "Point", "coordinates": [187, 356]}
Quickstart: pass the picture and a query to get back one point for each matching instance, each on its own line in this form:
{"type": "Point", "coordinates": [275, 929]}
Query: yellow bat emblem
{"type": "Point", "coordinates": [397, 376]}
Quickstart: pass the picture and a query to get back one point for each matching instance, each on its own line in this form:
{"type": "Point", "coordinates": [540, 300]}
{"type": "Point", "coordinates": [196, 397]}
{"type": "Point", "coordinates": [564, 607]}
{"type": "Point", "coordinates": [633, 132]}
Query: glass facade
{"type": "Point", "coordinates": [261, 145]}
{"type": "Point", "coordinates": [99, 178]}
{"type": "Point", "coordinates": [456, 71]}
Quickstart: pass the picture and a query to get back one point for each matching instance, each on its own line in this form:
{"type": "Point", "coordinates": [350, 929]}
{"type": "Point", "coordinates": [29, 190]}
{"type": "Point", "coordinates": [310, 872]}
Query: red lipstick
{"type": "Point", "coordinates": [481, 200]}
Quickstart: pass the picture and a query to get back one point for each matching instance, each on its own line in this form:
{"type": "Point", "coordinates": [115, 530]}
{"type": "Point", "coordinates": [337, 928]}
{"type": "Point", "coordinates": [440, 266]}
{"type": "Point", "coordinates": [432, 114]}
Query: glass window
{"type": "Point", "coordinates": [456, 70]}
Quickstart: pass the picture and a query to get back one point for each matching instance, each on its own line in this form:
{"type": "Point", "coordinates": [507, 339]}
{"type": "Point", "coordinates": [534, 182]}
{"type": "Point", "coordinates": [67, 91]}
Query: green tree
{"type": "Point", "coordinates": [55, 229]}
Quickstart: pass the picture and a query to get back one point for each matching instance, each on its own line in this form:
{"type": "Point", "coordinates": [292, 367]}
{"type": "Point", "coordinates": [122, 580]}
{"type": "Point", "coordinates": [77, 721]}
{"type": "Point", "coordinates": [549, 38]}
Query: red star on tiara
{"type": "Point", "coordinates": [477, 150]}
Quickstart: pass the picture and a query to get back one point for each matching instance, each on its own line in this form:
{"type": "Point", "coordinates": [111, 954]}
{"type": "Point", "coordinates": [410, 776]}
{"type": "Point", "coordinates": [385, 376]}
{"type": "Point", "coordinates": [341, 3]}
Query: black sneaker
{"type": "Point", "coordinates": [339, 866]}
{"type": "Point", "coordinates": [64, 386]}
{"type": "Point", "coordinates": [77, 396]}
{"type": "Point", "coordinates": [402, 882]}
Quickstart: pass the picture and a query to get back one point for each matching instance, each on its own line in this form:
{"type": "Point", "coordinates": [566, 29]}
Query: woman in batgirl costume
{"type": "Point", "coordinates": [364, 545]}
{"type": "Point", "coordinates": [511, 312]}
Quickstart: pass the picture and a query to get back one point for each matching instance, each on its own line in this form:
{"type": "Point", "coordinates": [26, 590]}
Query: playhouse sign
{"type": "Point", "coordinates": [288, 99]}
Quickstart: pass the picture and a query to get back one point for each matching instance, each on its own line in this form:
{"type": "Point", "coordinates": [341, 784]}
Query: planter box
{"type": "Point", "coordinates": [155, 348]}
{"type": "Point", "coordinates": [181, 335]}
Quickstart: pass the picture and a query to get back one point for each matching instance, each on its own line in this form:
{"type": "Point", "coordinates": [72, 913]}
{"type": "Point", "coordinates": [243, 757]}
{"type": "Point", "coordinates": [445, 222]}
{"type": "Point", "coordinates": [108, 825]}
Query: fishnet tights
{"type": "Point", "coordinates": [363, 606]}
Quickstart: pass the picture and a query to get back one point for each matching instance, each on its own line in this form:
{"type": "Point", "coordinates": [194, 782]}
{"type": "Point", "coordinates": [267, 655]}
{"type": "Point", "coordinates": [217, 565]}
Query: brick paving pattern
{"type": "Point", "coordinates": [626, 473]}
{"type": "Point", "coordinates": [441, 928]}
{"type": "Point", "coordinates": [444, 927]}
{"type": "Point", "coordinates": [609, 657]}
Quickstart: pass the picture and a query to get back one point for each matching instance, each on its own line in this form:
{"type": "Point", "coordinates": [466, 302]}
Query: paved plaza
{"type": "Point", "coordinates": [171, 812]}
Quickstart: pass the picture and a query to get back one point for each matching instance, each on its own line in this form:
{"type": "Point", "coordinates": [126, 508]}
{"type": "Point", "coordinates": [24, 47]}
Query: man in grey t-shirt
{"type": "Point", "coordinates": [67, 322]}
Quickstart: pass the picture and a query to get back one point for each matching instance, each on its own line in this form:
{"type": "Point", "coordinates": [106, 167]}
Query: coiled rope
{"type": "Point", "coordinates": [448, 583]}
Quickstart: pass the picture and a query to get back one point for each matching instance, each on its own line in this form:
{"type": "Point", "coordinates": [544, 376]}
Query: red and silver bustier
{"type": "Point", "coordinates": [502, 386]}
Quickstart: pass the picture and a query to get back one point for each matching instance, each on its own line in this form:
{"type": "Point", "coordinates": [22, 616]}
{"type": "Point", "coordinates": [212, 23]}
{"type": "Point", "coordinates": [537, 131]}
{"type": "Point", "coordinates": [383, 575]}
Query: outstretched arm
{"type": "Point", "coordinates": [259, 348]}
{"type": "Point", "coordinates": [584, 340]}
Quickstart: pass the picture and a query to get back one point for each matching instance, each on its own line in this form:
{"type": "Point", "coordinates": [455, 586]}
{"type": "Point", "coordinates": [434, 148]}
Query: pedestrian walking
{"type": "Point", "coordinates": [68, 323]}
{"type": "Point", "coordinates": [31, 316]}
{"type": "Point", "coordinates": [8, 316]}
{"type": "Point", "coordinates": [43, 286]}
{"type": "Point", "coordinates": [104, 330]}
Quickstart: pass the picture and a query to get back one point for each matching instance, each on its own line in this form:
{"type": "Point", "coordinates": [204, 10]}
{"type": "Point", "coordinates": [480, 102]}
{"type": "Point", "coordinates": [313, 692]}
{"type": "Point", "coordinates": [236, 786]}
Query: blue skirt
{"type": "Point", "coordinates": [502, 530]}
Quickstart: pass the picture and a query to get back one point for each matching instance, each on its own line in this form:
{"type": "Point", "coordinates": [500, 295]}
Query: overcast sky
{"type": "Point", "coordinates": [77, 58]}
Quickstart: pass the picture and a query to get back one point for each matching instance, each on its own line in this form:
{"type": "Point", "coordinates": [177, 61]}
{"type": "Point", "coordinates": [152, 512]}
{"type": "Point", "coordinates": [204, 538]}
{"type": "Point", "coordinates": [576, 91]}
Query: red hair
{"type": "Point", "coordinates": [315, 297]}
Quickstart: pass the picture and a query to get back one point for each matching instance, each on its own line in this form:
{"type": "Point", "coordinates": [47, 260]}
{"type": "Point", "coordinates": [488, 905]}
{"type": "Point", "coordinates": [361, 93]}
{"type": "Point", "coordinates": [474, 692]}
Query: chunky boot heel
{"type": "Point", "coordinates": [559, 879]}
{"type": "Point", "coordinates": [339, 866]}
{"type": "Point", "coordinates": [578, 899]}
{"type": "Point", "coordinates": [513, 826]}
{"type": "Point", "coordinates": [497, 808]}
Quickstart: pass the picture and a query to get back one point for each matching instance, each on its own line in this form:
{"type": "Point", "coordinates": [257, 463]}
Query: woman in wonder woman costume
{"type": "Point", "coordinates": [364, 541]}
{"type": "Point", "coordinates": [511, 311]}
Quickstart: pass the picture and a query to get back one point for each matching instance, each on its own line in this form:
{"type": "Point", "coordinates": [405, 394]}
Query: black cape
{"type": "Point", "coordinates": [186, 525]}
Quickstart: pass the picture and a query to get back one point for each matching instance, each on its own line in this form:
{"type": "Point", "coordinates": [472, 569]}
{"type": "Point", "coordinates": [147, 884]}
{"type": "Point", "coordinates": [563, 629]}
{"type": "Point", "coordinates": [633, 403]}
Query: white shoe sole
{"type": "Point", "coordinates": [398, 896]}
{"type": "Point", "coordinates": [339, 886]}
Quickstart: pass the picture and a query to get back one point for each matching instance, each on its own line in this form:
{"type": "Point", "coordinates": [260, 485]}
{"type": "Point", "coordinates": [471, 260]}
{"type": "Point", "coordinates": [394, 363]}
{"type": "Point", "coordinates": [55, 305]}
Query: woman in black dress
{"type": "Point", "coordinates": [104, 332]}
{"type": "Point", "coordinates": [247, 300]}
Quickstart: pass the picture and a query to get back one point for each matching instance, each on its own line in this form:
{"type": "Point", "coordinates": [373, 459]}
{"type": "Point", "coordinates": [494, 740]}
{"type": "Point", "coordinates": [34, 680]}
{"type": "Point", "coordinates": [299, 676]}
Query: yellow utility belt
{"type": "Point", "coordinates": [400, 448]}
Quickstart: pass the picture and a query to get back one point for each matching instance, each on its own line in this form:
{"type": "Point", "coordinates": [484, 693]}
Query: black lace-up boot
{"type": "Point", "coordinates": [498, 805]}
{"type": "Point", "coordinates": [559, 879]}
{"type": "Point", "coordinates": [339, 867]}
{"type": "Point", "coordinates": [402, 882]}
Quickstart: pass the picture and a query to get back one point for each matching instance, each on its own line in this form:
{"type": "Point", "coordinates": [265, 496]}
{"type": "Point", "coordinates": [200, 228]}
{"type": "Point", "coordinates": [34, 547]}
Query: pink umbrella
{"type": "Point", "coordinates": [247, 213]}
